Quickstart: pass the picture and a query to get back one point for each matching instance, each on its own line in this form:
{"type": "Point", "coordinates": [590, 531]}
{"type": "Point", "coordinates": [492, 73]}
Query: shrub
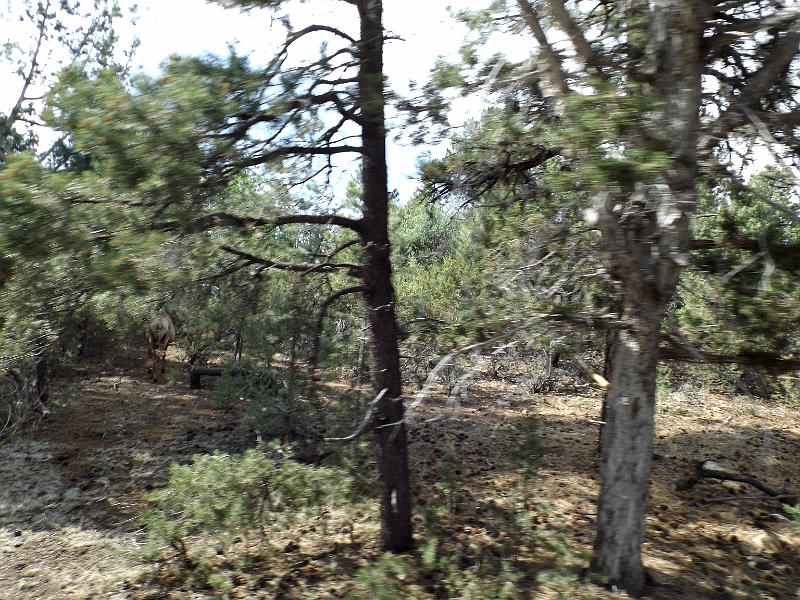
{"type": "Point", "coordinates": [207, 504]}
{"type": "Point", "coordinates": [271, 404]}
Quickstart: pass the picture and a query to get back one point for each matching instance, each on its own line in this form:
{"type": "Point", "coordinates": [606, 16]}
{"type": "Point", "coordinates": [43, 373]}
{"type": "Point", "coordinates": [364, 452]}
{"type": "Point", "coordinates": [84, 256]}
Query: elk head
{"type": "Point", "coordinates": [160, 334]}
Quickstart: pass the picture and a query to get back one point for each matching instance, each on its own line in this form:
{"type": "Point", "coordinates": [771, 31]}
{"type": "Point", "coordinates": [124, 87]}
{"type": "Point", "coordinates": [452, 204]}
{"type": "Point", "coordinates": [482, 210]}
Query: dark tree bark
{"type": "Point", "coordinates": [42, 376]}
{"type": "Point", "coordinates": [379, 296]}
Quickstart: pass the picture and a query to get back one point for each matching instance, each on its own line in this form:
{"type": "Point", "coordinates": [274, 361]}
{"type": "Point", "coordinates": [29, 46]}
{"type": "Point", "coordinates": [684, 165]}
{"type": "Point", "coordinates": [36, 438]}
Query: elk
{"type": "Point", "coordinates": [160, 334]}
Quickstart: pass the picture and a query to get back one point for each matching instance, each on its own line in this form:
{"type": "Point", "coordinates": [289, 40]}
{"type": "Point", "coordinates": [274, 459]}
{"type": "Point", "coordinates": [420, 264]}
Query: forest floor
{"type": "Point", "coordinates": [73, 485]}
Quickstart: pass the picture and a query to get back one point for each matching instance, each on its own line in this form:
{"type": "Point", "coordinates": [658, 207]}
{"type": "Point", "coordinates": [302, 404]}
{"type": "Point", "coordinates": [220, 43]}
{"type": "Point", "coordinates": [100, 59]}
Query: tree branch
{"type": "Point", "coordinates": [744, 188]}
{"type": "Point", "coordinates": [14, 113]}
{"type": "Point", "coordinates": [352, 270]}
{"type": "Point", "coordinates": [323, 309]}
{"type": "Point", "coordinates": [557, 79]}
{"type": "Point", "coordinates": [582, 48]}
{"type": "Point", "coordinates": [296, 151]}
{"type": "Point", "coordinates": [223, 219]}
{"type": "Point", "coordinates": [313, 28]}
{"type": "Point", "coordinates": [757, 86]}
{"type": "Point", "coordinates": [353, 224]}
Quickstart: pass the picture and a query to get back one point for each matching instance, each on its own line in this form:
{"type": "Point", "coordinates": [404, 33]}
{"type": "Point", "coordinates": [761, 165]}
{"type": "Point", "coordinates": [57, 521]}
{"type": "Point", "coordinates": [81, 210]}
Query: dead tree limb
{"type": "Point", "coordinates": [709, 469]}
{"type": "Point", "coordinates": [323, 309]}
{"type": "Point", "coordinates": [195, 373]}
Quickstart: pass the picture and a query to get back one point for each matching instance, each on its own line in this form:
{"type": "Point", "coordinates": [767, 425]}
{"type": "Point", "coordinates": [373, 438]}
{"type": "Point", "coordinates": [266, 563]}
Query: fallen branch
{"type": "Point", "coordinates": [195, 373]}
{"type": "Point", "coordinates": [709, 469]}
{"type": "Point", "coordinates": [748, 498]}
{"type": "Point", "coordinates": [365, 423]}
{"type": "Point", "coordinates": [770, 361]}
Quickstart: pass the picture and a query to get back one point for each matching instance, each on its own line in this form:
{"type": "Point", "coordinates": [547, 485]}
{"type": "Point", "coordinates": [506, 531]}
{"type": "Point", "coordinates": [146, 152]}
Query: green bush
{"type": "Point", "coordinates": [794, 512]}
{"type": "Point", "coordinates": [271, 404]}
{"type": "Point", "coordinates": [432, 573]}
{"type": "Point", "coordinates": [207, 504]}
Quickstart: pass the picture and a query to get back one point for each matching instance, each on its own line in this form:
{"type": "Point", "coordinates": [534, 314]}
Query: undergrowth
{"type": "Point", "coordinates": [201, 525]}
{"type": "Point", "coordinates": [221, 499]}
{"type": "Point", "coordinates": [271, 404]}
{"type": "Point", "coordinates": [496, 563]}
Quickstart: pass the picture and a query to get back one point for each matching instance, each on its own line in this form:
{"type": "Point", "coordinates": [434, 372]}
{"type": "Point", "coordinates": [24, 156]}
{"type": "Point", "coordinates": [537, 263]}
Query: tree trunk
{"type": "Point", "coordinates": [647, 236]}
{"type": "Point", "coordinates": [611, 335]}
{"type": "Point", "coordinates": [627, 448]}
{"type": "Point", "coordinates": [42, 376]}
{"type": "Point", "coordinates": [359, 373]}
{"type": "Point", "coordinates": [238, 343]}
{"type": "Point", "coordinates": [379, 295]}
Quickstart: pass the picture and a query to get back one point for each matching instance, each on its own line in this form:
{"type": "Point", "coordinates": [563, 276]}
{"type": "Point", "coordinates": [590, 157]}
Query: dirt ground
{"type": "Point", "coordinates": [71, 487]}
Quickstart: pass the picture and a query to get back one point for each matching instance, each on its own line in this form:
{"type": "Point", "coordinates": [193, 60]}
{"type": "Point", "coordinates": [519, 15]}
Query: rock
{"type": "Point", "coordinates": [760, 543]}
{"type": "Point", "coordinates": [734, 487]}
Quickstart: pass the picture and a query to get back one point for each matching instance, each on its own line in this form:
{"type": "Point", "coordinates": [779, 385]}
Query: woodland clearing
{"type": "Point", "coordinates": [72, 488]}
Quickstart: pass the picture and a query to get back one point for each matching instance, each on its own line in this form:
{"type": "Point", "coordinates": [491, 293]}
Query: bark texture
{"type": "Point", "coordinates": [648, 241]}
{"type": "Point", "coordinates": [379, 296]}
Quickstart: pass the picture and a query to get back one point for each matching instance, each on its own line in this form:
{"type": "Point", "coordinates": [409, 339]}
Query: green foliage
{"type": "Point", "coordinates": [448, 566]}
{"type": "Point", "coordinates": [450, 478]}
{"type": "Point", "coordinates": [565, 575]}
{"type": "Point", "coordinates": [393, 576]}
{"type": "Point", "coordinates": [794, 512]}
{"type": "Point", "coordinates": [77, 32]}
{"type": "Point", "coordinates": [59, 268]}
{"type": "Point", "coordinates": [598, 128]}
{"type": "Point", "coordinates": [526, 441]}
{"type": "Point", "coordinates": [206, 504]}
{"type": "Point", "coordinates": [662, 390]}
{"type": "Point", "coordinates": [271, 405]}
{"type": "Point", "coordinates": [357, 459]}
{"type": "Point", "coordinates": [743, 300]}
{"type": "Point", "coordinates": [443, 567]}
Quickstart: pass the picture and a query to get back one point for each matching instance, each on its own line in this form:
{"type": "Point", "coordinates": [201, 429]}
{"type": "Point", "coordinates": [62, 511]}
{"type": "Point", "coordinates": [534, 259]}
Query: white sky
{"type": "Point", "coordinates": [193, 27]}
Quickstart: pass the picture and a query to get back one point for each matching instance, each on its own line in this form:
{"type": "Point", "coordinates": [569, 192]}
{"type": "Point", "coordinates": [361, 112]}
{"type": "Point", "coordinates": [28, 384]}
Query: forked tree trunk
{"type": "Point", "coordinates": [647, 235]}
{"type": "Point", "coordinates": [379, 297]}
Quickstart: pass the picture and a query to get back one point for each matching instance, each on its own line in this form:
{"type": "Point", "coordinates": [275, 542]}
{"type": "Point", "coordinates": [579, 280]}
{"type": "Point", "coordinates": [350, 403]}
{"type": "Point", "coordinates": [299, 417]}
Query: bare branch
{"type": "Point", "coordinates": [352, 270]}
{"type": "Point", "coordinates": [582, 48]}
{"type": "Point", "coordinates": [314, 28]}
{"type": "Point", "coordinates": [323, 309]}
{"type": "Point", "coordinates": [354, 224]}
{"type": "Point", "coordinates": [340, 248]}
{"type": "Point", "coordinates": [770, 140]}
{"type": "Point", "coordinates": [766, 360]}
{"type": "Point", "coordinates": [223, 219]}
{"type": "Point", "coordinates": [366, 422]}
{"type": "Point", "coordinates": [742, 187]}
{"type": "Point", "coordinates": [757, 86]}
{"type": "Point", "coordinates": [554, 71]}
{"type": "Point", "coordinates": [285, 151]}
{"type": "Point", "coordinates": [14, 112]}
{"type": "Point", "coordinates": [237, 266]}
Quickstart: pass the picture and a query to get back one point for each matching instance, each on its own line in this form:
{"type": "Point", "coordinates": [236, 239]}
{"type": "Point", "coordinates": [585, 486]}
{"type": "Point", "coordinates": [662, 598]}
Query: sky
{"type": "Point", "coordinates": [193, 27]}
